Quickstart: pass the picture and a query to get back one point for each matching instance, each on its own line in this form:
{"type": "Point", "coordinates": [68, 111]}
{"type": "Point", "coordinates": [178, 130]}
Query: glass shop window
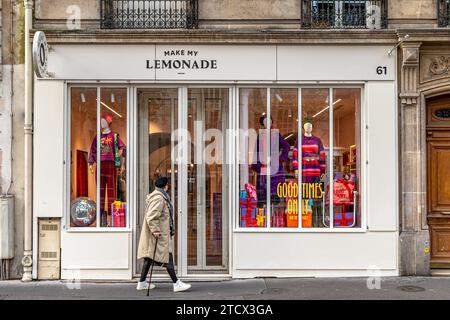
{"type": "Point", "coordinates": [287, 163]}
{"type": "Point", "coordinates": [98, 185]}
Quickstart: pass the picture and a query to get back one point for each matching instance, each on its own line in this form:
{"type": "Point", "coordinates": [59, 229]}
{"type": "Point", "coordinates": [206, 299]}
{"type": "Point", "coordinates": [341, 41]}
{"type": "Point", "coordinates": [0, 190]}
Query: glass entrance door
{"type": "Point", "coordinates": [207, 221]}
{"type": "Point", "coordinates": [182, 136]}
{"type": "Point", "coordinates": [157, 120]}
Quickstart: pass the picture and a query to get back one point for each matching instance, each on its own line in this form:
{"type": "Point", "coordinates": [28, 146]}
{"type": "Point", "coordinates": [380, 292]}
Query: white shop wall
{"type": "Point", "coordinates": [48, 151]}
{"type": "Point", "coordinates": [334, 253]}
{"type": "Point", "coordinates": [382, 150]}
{"type": "Point", "coordinates": [314, 254]}
{"type": "Point", "coordinates": [89, 254]}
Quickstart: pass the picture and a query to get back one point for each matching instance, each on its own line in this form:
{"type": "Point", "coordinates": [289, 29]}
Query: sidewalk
{"type": "Point", "coordinates": [252, 289]}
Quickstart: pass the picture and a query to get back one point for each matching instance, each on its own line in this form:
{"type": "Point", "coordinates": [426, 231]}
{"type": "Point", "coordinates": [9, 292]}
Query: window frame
{"type": "Point", "coordinates": [233, 155]}
{"type": "Point", "coordinates": [362, 153]}
{"type": "Point", "coordinates": [130, 167]}
{"type": "Point", "coordinates": [339, 17]}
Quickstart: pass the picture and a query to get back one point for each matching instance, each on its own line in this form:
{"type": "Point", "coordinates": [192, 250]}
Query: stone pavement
{"type": "Point", "coordinates": [398, 288]}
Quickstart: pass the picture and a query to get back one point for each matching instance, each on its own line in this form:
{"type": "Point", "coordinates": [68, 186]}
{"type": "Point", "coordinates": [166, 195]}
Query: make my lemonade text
{"type": "Point", "coordinates": [182, 64]}
{"type": "Point", "coordinates": [181, 59]}
{"type": "Point", "coordinates": [290, 191]}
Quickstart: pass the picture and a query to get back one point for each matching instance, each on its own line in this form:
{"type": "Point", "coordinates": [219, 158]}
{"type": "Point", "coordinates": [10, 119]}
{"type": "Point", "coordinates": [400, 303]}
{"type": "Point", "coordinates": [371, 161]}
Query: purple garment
{"type": "Point", "coordinates": [277, 174]}
{"type": "Point", "coordinates": [106, 148]}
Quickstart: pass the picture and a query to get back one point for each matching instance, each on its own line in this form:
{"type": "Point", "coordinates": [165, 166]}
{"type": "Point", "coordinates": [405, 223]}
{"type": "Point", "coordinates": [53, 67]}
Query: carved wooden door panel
{"type": "Point", "coordinates": [438, 184]}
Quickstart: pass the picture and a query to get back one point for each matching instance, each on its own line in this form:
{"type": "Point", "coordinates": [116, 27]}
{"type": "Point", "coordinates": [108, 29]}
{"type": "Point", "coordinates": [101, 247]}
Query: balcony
{"type": "Point", "coordinates": [344, 14]}
{"type": "Point", "coordinates": [148, 14]}
{"type": "Point", "coordinates": [443, 13]}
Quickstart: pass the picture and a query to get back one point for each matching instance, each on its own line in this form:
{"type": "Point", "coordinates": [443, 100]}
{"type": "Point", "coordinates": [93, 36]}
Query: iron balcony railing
{"type": "Point", "coordinates": [443, 13]}
{"type": "Point", "coordinates": [357, 14]}
{"type": "Point", "coordinates": [148, 14]}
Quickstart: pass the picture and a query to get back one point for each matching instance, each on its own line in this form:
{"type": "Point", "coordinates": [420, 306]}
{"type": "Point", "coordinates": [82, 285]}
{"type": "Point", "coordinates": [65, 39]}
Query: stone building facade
{"type": "Point", "coordinates": [417, 31]}
{"type": "Point", "coordinates": [11, 123]}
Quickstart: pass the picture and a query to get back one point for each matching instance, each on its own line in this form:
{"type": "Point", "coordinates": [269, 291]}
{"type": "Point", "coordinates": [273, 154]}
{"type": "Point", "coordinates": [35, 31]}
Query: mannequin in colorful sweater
{"type": "Point", "coordinates": [313, 166]}
{"type": "Point", "coordinates": [313, 155]}
{"type": "Point", "coordinates": [279, 154]}
{"type": "Point", "coordinates": [110, 145]}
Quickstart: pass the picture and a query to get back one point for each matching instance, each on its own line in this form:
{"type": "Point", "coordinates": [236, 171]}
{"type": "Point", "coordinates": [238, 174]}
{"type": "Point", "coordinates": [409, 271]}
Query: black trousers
{"type": "Point", "coordinates": [169, 267]}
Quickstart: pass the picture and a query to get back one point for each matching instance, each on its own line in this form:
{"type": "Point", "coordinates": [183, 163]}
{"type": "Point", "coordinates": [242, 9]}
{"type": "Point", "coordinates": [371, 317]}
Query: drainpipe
{"type": "Point", "coordinates": [27, 260]}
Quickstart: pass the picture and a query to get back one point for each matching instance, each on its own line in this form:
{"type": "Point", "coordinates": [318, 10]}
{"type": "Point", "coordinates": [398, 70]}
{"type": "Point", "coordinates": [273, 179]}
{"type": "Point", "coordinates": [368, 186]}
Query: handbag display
{"type": "Point", "coordinates": [342, 192]}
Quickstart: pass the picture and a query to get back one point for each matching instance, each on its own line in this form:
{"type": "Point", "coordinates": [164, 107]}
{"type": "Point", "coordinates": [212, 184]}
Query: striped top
{"type": "Point", "coordinates": [313, 158]}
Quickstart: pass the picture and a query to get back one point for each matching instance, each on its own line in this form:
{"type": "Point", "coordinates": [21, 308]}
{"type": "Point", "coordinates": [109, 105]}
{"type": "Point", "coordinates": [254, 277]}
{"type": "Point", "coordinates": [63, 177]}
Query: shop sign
{"type": "Point", "coordinates": [215, 62]}
{"type": "Point", "coordinates": [181, 60]}
{"type": "Point", "coordinates": [40, 55]}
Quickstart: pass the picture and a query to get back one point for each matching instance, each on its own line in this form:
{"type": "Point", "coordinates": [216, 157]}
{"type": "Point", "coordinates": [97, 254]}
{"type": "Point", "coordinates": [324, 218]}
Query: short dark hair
{"type": "Point", "coordinates": [261, 119]}
{"type": "Point", "coordinates": [161, 182]}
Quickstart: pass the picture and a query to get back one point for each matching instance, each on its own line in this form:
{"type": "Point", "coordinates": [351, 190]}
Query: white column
{"type": "Point", "coordinates": [27, 261]}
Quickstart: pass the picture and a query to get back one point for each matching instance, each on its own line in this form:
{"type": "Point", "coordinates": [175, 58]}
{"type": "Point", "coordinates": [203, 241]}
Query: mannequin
{"type": "Point", "coordinates": [110, 145]}
{"type": "Point", "coordinates": [277, 159]}
{"type": "Point", "coordinates": [308, 129]}
{"type": "Point", "coordinates": [313, 155]}
{"type": "Point", "coordinates": [313, 166]}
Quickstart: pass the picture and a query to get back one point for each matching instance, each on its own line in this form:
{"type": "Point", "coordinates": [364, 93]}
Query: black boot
{"type": "Point", "coordinates": [104, 219]}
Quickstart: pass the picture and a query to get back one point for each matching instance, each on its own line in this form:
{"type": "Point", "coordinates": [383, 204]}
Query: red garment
{"type": "Point", "coordinates": [313, 162]}
{"type": "Point", "coordinates": [82, 174]}
{"type": "Point", "coordinates": [107, 184]}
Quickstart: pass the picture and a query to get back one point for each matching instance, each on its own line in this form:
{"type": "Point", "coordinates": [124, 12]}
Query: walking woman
{"type": "Point", "coordinates": [158, 224]}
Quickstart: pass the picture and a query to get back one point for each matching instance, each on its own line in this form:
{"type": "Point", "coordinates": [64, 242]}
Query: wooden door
{"type": "Point", "coordinates": [438, 188]}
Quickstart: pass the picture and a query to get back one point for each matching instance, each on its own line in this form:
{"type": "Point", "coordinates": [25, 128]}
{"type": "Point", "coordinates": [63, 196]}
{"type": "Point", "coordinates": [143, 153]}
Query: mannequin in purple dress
{"type": "Point", "coordinates": [279, 151]}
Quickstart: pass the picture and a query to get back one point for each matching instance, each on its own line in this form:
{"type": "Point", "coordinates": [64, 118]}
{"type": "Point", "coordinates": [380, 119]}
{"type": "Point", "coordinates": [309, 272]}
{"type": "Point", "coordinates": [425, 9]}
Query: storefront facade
{"type": "Point", "coordinates": [123, 114]}
{"type": "Point", "coordinates": [424, 152]}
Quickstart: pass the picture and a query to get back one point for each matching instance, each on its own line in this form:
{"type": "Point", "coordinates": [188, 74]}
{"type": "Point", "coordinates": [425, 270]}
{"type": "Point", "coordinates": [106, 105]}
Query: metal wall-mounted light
{"type": "Point", "coordinates": [390, 51]}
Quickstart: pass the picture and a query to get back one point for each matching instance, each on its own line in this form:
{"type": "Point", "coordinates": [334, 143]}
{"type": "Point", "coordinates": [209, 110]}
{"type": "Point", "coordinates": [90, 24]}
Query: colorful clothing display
{"type": "Point", "coordinates": [107, 184]}
{"type": "Point", "coordinates": [313, 159]}
{"type": "Point", "coordinates": [277, 174]}
{"type": "Point", "coordinates": [110, 144]}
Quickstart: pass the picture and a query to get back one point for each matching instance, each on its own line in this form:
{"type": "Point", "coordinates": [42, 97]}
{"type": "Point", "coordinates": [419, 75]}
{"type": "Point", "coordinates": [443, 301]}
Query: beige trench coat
{"type": "Point", "coordinates": [157, 219]}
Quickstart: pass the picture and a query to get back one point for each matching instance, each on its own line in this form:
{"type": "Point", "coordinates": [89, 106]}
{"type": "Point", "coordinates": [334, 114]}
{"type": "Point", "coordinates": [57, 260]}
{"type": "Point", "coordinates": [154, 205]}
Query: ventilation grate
{"type": "Point", "coordinates": [49, 227]}
{"type": "Point", "coordinates": [49, 255]}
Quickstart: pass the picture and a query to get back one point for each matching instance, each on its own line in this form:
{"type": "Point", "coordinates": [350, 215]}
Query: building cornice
{"type": "Point", "coordinates": [212, 36]}
{"type": "Point", "coordinates": [432, 35]}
